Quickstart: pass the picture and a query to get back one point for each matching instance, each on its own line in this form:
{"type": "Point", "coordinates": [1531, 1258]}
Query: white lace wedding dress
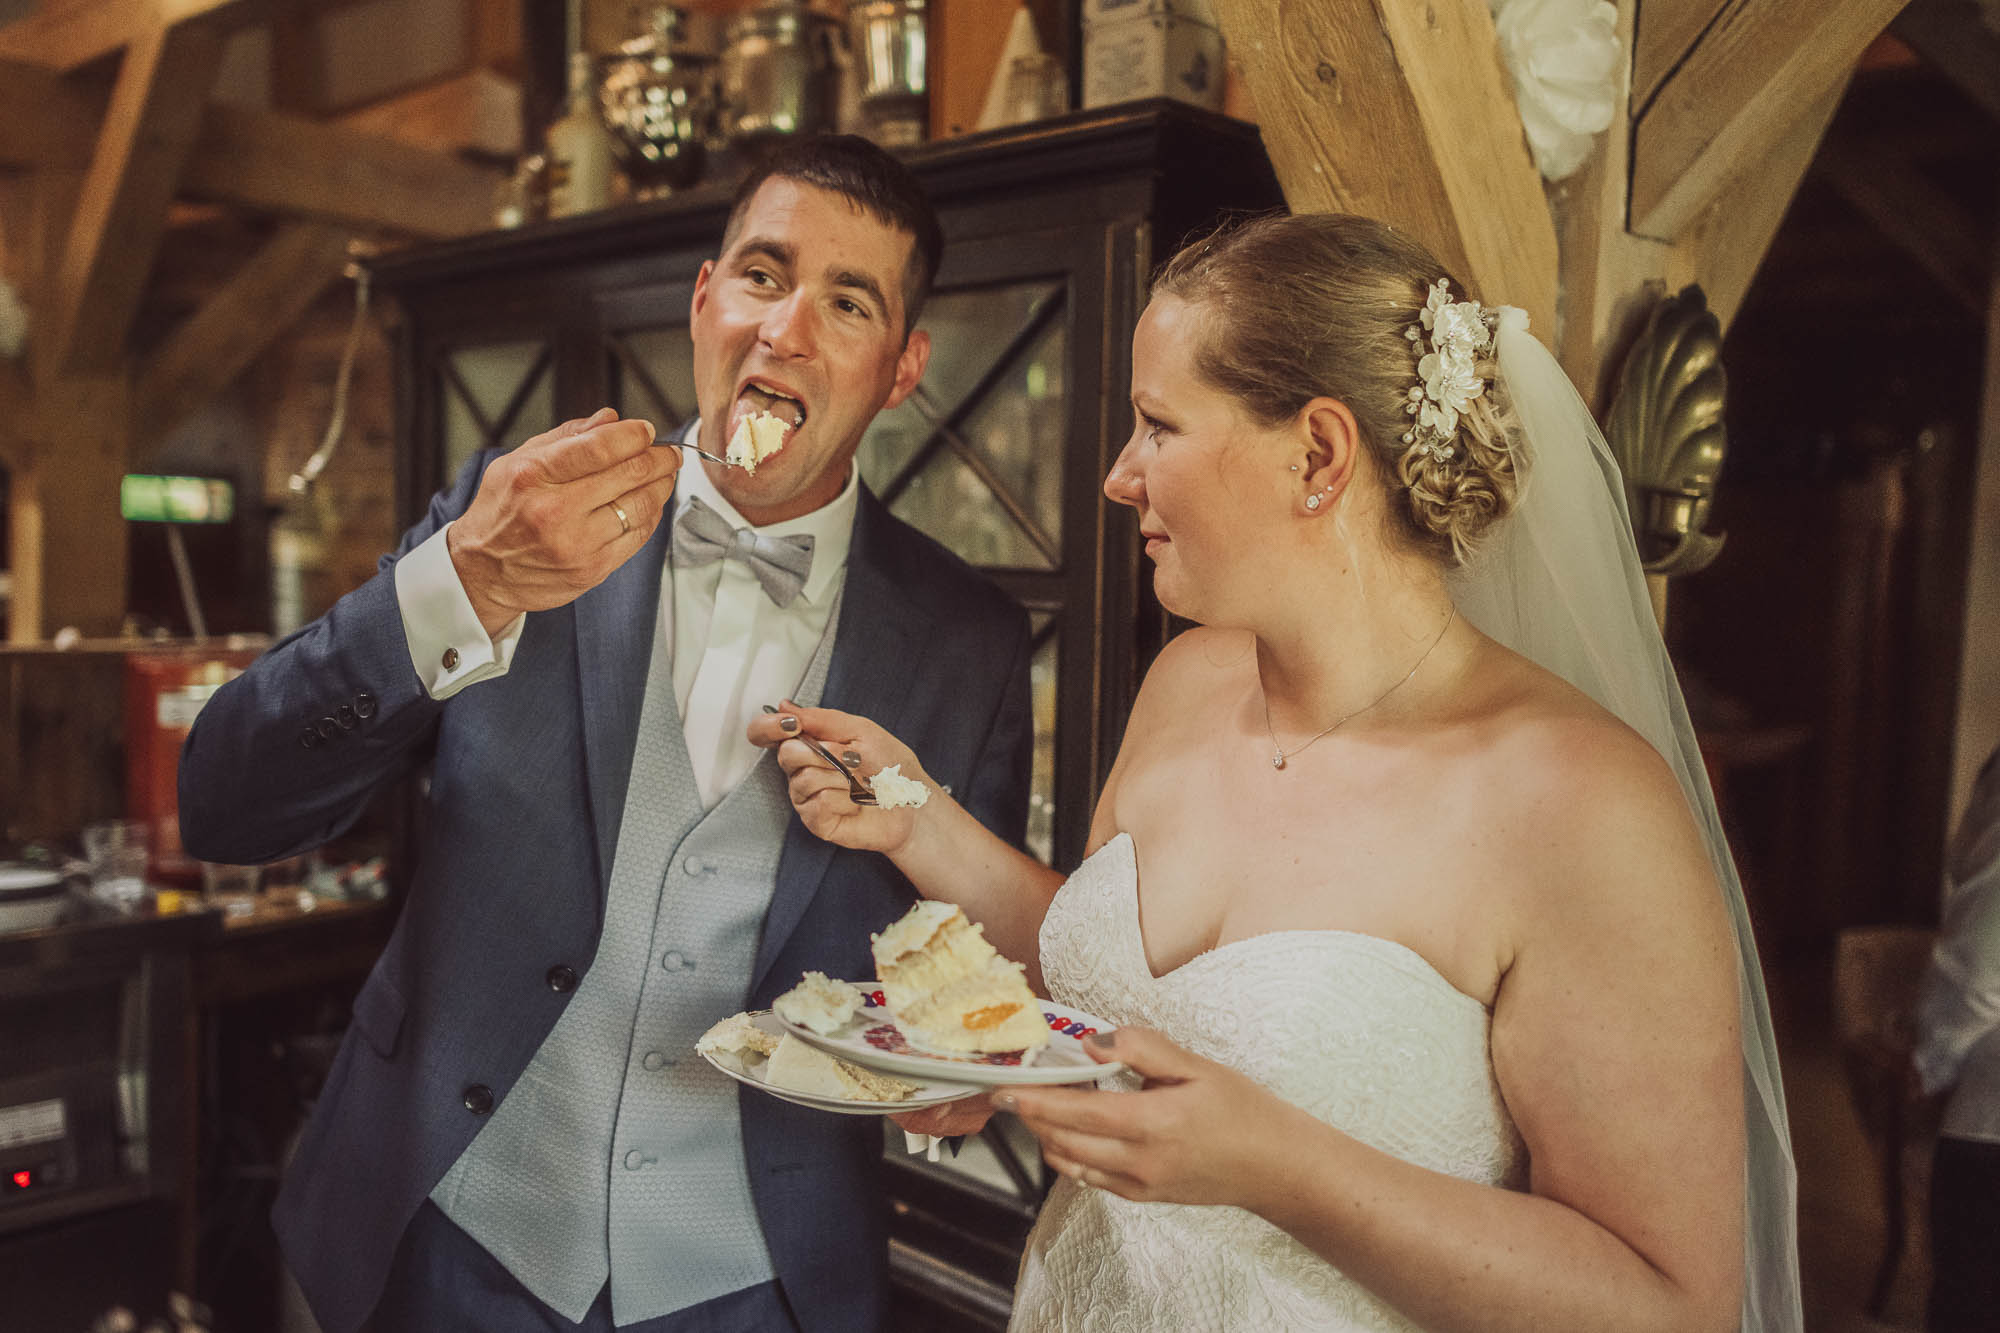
{"type": "Point", "coordinates": [1358, 1030]}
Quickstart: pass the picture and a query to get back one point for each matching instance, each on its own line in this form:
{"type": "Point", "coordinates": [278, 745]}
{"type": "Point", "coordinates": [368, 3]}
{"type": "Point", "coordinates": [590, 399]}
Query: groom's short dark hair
{"type": "Point", "coordinates": [875, 182]}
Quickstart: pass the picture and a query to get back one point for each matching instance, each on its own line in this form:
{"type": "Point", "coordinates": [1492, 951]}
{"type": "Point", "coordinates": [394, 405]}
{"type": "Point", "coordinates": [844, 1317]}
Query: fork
{"type": "Point", "coordinates": [856, 792]}
{"type": "Point", "coordinates": [696, 449]}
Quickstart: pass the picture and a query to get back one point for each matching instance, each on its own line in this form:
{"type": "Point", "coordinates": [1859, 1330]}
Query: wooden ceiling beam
{"type": "Point", "coordinates": [290, 165]}
{"type": "Point", "coordinates": [1953, 39]}
{"type": "Point", "coordinates": [262, 301]}
{"type": "Point", "coordinates": [68, 39]}
{"type": "Point", "coordinates": [148, 129]}
{"type": "Point", "coordinates": [1924, 222]}
{"type": "Point", "coordinates": [1666, 31]}
{"type": "Point", "coordinates": [1758, 70]}
{"type": "Point", "coordinates": [479, 110]}
{"type": "Point", "coordinates": [1402, 112]}
{"type": "Point", "coordinates": [43, 120]}
{"type": "Point", "coordinates": [1725, 248]}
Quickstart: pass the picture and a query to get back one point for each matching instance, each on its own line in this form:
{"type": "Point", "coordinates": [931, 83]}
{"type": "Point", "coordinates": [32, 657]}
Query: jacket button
{"type": "Point", "coordinates": [450, 659]}
{"type": "Point", "coordinates": [562, 978]}
{"type": "Point", "coordinates": [328, 728]}
{"type": "Point", "coordinates": [364, 705]}
{"type": "Point", "coordinates": [309, 738]}
{"type": "Point", "coordinates": [346, 717]}
{"type": "Point", "coordinates": [479, 1099]}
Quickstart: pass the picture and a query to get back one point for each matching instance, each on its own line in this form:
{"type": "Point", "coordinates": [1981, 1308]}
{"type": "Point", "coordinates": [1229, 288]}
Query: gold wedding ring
{"type": "Point", "coordinates": [624, 523]}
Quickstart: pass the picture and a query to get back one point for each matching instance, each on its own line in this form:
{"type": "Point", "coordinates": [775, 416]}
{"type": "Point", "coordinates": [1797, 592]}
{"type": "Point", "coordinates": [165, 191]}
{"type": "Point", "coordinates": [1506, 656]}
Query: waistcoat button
{"type": "Point", "coordinates": [479, 1099]}
{"type": "Point", "coordinates": [562, 978]}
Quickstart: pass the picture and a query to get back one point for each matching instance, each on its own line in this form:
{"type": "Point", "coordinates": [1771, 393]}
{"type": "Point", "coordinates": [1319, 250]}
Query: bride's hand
{"type": "Point", "coordinates": [1199, 1132]}
{"type": "Point", "coordinates": [819, 794]}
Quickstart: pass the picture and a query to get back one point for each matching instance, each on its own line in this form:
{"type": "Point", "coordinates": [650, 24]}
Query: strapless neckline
{"type": "Point", "coordinates": [1391, 951]}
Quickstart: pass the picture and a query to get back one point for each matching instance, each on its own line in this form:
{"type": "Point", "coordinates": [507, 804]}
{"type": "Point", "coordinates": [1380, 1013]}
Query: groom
{"type": "Point", "coordinates": [517, 1134]}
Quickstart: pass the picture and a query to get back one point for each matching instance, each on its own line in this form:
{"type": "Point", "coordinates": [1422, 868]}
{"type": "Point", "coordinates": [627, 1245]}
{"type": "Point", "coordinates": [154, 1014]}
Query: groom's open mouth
{"type": "Point", "coordinates": [764, 419]}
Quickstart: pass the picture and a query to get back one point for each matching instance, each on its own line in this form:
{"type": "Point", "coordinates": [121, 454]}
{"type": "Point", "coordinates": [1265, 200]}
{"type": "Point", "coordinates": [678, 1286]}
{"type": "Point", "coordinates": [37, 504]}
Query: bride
{"type": "Point", "coordinates": [1406, 892]}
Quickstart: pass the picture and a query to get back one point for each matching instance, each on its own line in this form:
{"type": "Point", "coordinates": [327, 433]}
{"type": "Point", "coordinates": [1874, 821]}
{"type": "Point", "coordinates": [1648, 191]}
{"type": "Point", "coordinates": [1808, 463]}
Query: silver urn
{"type": "Point", "coordinates": [780, 73]}
{"type": "Point", "coordinates": [659, 101]}
{"type": "Point", "coordinates": [889, 42]}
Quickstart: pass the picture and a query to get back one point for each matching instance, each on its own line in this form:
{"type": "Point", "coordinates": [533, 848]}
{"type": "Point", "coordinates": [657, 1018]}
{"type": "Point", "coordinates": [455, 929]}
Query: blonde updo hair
{"type": "Point", "coordinates": [1297, 307]}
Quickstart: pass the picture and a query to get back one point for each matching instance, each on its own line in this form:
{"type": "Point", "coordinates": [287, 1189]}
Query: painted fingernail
{"type": "Point", "coordinates": [853, 759]}
{"type": "Point", "coordinates": [1006, 1101]}
{"type": "Point", "coordinates": [788, 725]}
{"type": "Point", "coordinates": [1106, 1039]}
{"type": "Point", "coordinates": [769, 709]}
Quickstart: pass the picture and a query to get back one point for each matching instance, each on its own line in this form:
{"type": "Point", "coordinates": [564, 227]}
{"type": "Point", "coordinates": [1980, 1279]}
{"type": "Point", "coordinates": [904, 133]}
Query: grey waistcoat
{"type": "Point", "coordinates": [620, 1152]}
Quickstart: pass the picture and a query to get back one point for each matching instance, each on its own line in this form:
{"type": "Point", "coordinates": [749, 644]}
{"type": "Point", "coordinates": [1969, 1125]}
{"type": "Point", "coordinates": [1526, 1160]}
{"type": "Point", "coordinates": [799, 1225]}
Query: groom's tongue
{"type": "Point", "coordinates": [756, 398]}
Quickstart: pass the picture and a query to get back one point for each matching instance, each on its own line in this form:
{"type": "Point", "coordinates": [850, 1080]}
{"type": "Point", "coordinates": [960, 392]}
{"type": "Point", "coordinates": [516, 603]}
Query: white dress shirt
{"type": "Point", "coordinates": [1958, 1020]}
{"type": "Point", "coordinates": [734, 649]}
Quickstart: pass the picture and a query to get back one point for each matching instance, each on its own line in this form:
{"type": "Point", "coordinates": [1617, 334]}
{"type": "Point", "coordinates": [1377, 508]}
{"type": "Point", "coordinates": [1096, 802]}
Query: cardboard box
{"type": "Point", "coordinates": [1151, 48]}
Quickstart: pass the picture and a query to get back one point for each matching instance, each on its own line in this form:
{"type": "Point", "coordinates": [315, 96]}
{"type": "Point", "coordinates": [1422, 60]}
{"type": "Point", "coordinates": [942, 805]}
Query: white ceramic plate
{"type": "Point", "coordinates": [750, 1070]}
{"type": "Point", "coordinates": [872, 1039]}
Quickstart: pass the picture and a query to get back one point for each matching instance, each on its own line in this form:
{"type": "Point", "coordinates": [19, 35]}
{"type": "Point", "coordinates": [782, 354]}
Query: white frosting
{"type": "Point", "coordinates": [736, 1035]}
{"type": "Point", "coordinates": [758, 435]}
{"type": "Point", "coordinates": [819, 1003]}
{"type": "Point", "coordinates": [892, 789]}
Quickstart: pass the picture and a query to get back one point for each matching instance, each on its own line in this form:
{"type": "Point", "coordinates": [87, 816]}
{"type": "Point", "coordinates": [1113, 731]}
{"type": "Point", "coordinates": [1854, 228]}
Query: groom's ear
{"type": "Point", "coordinates": [1331, 440]}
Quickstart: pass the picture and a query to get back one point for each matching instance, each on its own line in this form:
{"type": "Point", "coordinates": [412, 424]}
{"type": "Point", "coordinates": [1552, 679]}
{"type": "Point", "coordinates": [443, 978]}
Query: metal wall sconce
{"type": "Point", "coordinates": [1665, 428]}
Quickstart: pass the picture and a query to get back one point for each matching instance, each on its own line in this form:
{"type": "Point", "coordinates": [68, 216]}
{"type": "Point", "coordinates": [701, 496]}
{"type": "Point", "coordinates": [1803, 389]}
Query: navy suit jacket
{"type": "Point", "coordinates": [528, 776]}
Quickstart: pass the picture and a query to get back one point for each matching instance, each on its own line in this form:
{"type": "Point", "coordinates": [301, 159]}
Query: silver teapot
{"type": "Point", "coordinates": [780, 73]}
{"type": "Point", "coordinates": [659, 101]}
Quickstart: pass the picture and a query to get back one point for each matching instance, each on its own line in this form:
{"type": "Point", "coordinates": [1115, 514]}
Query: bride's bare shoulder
{"type": "Point", "coordinates": [1586, 790]}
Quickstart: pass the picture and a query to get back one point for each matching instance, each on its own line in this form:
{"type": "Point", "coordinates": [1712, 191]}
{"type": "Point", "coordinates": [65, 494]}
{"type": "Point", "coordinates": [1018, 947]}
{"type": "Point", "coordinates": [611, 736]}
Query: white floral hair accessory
{"type": "Point", "coordinates": [1447, 383]}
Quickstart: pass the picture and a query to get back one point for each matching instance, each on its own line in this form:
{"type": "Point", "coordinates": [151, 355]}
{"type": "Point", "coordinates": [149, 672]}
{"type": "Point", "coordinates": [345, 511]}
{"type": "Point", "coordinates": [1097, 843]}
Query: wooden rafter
{"type": "Point", "coordinates": [1925, 223]}
{"type": "Point", "coordinates": [155, 108]}
{"type": "Point", "coordinates": [70, 38]}
{"type": "Point", "coordinates": [1723, 250]}
{"type": "Point", "coordinates": [283, 164]}
{"type": "Point", "coordinates": [478, 110]}
{"type": "Point", "coordinates": [1666, 31]}
{"type": "Point", "coordinates": [1402, 112]}
{"type": "Point", "coordinates": [261, 302]}
{"type": "Point", "coordinates": [287, 164]}
{"type": "Point", "coordinates": [1758, 69]}
{"type": "Point", "coordinates": [1953, 39]}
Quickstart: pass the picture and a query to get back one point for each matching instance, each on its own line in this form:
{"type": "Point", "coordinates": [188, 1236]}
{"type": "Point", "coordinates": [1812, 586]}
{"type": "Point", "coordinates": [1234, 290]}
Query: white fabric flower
{"type": "Point", "coordinates": [1567, 66]}
{"type": "Point", "coordinates": [1459, 329]}
{"type": "Point", "coordinates": [1450, 385]}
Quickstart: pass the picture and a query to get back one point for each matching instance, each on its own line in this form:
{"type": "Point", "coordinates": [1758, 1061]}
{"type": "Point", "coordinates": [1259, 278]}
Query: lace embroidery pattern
{"type": "Point", "coordinates": [1357, 1030]}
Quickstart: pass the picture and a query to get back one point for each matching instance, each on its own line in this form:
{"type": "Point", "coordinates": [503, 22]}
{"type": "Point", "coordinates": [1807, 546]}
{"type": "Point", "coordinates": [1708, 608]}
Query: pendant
{"type": "Point", "coordinates": [1278, 759]}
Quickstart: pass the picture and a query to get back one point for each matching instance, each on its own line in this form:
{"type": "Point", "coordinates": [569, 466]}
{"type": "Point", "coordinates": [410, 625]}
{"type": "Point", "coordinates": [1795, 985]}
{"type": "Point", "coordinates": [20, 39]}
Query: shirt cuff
{"type": "Point", "coordinates": [449, 648]}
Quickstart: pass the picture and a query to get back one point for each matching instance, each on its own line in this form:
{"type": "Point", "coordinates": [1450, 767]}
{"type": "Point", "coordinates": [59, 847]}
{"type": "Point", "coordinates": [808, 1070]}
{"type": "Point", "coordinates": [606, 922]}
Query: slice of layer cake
{"type": "Point", "coordinates": [797, 1067]}
{"type": "Point", "coordinates": [736, 1035]}
{"type": "Point", "coordinates": [819, 1003]}
{"type": "Point", "coordinates": [950, 989]}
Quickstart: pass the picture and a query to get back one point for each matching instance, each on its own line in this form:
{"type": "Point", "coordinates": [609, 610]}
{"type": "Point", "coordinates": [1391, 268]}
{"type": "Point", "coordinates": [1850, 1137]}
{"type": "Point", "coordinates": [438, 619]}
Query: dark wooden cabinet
{"type": "Point", "coordinates": [1052, 230]}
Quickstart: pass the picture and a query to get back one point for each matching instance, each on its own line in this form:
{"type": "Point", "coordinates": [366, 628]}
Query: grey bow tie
{"type": "Point", "coordinates": [702, 536]}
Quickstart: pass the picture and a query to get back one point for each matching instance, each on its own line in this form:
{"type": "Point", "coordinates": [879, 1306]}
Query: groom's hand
{"type": "Point", "coordinates": [554, 517]}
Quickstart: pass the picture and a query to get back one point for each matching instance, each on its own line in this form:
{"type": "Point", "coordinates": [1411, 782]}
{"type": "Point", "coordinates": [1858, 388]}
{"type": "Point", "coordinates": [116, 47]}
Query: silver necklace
{"type": "Point", "coordinates": [1280, 754]}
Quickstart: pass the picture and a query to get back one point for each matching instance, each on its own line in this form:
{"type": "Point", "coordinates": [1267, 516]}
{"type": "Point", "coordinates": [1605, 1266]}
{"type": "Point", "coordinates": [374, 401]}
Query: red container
{"type": "Point", "coordinates": [164, 689]}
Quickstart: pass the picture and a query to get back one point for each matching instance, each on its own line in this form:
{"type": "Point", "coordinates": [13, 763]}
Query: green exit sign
{"type": "Point", "coordinates": [145, 498]}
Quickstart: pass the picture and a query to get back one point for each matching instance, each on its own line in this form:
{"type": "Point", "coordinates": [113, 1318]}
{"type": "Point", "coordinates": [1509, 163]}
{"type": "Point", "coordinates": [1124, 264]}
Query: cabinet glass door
{"type": "Point", "coordinates": [493, 395]}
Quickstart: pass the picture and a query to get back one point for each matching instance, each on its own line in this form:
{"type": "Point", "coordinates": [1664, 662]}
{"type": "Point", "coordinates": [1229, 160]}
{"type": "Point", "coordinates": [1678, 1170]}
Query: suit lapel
{"type": "Point", "coordinates": [876, 652]}
{"type": "Point", "coordinates": [614, 644]}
